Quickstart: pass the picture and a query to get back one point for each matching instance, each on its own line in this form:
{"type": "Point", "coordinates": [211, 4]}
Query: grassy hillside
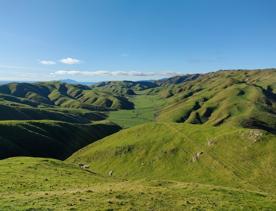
{"type": "Point", "coordinates": [130, 88]}
{"type": "Point", "coordinates": [240, 98]}
{"type": "Point", "coordinates": [212, 148]}
{"type": "Point", "coordinates": [176, 80]}
{"type": "Point", "coordinates": [124, 88]}
{"type": "Point", "coordinates": [49, 138]}
{"type": "Point", "coordinates": [245, 98]}
{"type": "Point", "coordinates": [64, 186]}
{"type": "Point", "coordinates": [11, 112]}
{"type": "Point", "coordinates": [53, 119]}
{"type": "Point", "coordinates": [232, 157]}
{"type": "Point", "coordinates": [61, 95]}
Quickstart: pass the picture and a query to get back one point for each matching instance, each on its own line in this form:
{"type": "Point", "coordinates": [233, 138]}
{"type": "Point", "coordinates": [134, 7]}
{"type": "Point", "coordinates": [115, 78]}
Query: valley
{"type": "Point", "coordinates": [191, 142]}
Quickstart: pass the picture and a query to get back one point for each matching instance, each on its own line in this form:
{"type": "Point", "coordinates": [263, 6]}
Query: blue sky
{"type": "Point", "coordinates": [94, 40]}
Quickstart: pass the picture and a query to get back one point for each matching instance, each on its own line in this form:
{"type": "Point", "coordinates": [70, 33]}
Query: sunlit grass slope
{"type": "Point", "coordinates": [124, 88]}
{"type": "Point", "coordinates": [61, 95]}
{"type": "Point", "coordinates": [244, 98]}
{"type": "Point", "coordinates": [47, 184]}
{"type": "Point", "coordinates": [232, 157]}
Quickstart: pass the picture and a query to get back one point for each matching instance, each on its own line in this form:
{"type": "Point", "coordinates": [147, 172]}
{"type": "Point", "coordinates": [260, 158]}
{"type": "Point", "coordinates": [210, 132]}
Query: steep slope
{"type": "Point", "coordinates": [21, 112]}
{"type": "Point", "coordinates": [246, 98]}
{"type": "Point", "coordinates": [63, 126]}
{"type": "Point", "coordinates": [232, 157]}
{"type": "Point", "coordinates": [49, 138]}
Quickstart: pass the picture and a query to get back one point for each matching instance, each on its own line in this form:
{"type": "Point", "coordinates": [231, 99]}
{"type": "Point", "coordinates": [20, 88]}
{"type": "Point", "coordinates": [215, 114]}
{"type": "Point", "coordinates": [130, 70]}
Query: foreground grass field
{"type": "Point", "coordinates": [47, 184]}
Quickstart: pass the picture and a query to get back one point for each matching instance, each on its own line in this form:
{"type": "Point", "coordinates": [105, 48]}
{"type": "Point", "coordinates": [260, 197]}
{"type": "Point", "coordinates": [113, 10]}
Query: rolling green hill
{"type": "Point", "coordinates": [49, 138]}
{"type": "Point", "coordinates": [61, 95]}
{"type": "Point", "coordinates": [53, 119]}
{"type": "Point", "coordinates": [233, 157]}
{"type": "Point", "coordinates": [245, 98]}
{"type": "Point", "coordinates": [19, 112]}
{"type": "Point", "coordinates": [124, 88]}
{"type": "Point", "coordinates": [129, 88]}
{"type": "Point", "coordinates": [176, 80]}
{"type": "Point", "coordinates": [194, 142]}
{"type": "Point", "coordinates": [239, 97]}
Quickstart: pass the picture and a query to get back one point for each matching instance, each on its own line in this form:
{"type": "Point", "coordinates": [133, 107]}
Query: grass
{"type": "Point", "coordinates": [9, 112]}
{"type": "Point", "coordinates": [52, 94]}
{"type": "Point", "coordinates": [124, 88]}
{"type": "Point", "coordinates": [146, 107]}
{"type": "Point", "coordinates": [233, 157]}
{"type": "Point", "coordinates": [64, 186]}
{"type": "Point", "coordinates": [241, 98]}
{"type": "Point", "coordinates": [208, 160]}
{"type": "Point", "coordinates": [47, 138]}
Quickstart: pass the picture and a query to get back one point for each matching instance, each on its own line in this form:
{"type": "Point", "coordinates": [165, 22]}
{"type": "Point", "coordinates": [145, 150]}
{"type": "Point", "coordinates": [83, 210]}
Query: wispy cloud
{"type": "Point", "coordinates": [69, 60]}
{"type": "Point", "coordinates": [114, 73]}
{"type": "Point", "coordinates": [47, 62]}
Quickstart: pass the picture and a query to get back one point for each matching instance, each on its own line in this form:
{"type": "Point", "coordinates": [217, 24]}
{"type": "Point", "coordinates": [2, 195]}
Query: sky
{"type": "Point", "coordinates": [96, 40]}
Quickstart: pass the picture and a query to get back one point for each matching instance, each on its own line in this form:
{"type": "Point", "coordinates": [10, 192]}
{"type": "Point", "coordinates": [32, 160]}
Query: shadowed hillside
{"type": "Point", "coordinates": [21, 112]}
{"type": "Point", "coordinates": [49, 138]}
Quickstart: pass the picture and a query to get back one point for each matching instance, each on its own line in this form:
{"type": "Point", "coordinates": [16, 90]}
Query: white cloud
{"type": "Point", "coordinates": [69, 60]}
{"type": "Point", "coordinates": [114, 73]}
{"type": "Point", "coordinates": [47, 62]}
